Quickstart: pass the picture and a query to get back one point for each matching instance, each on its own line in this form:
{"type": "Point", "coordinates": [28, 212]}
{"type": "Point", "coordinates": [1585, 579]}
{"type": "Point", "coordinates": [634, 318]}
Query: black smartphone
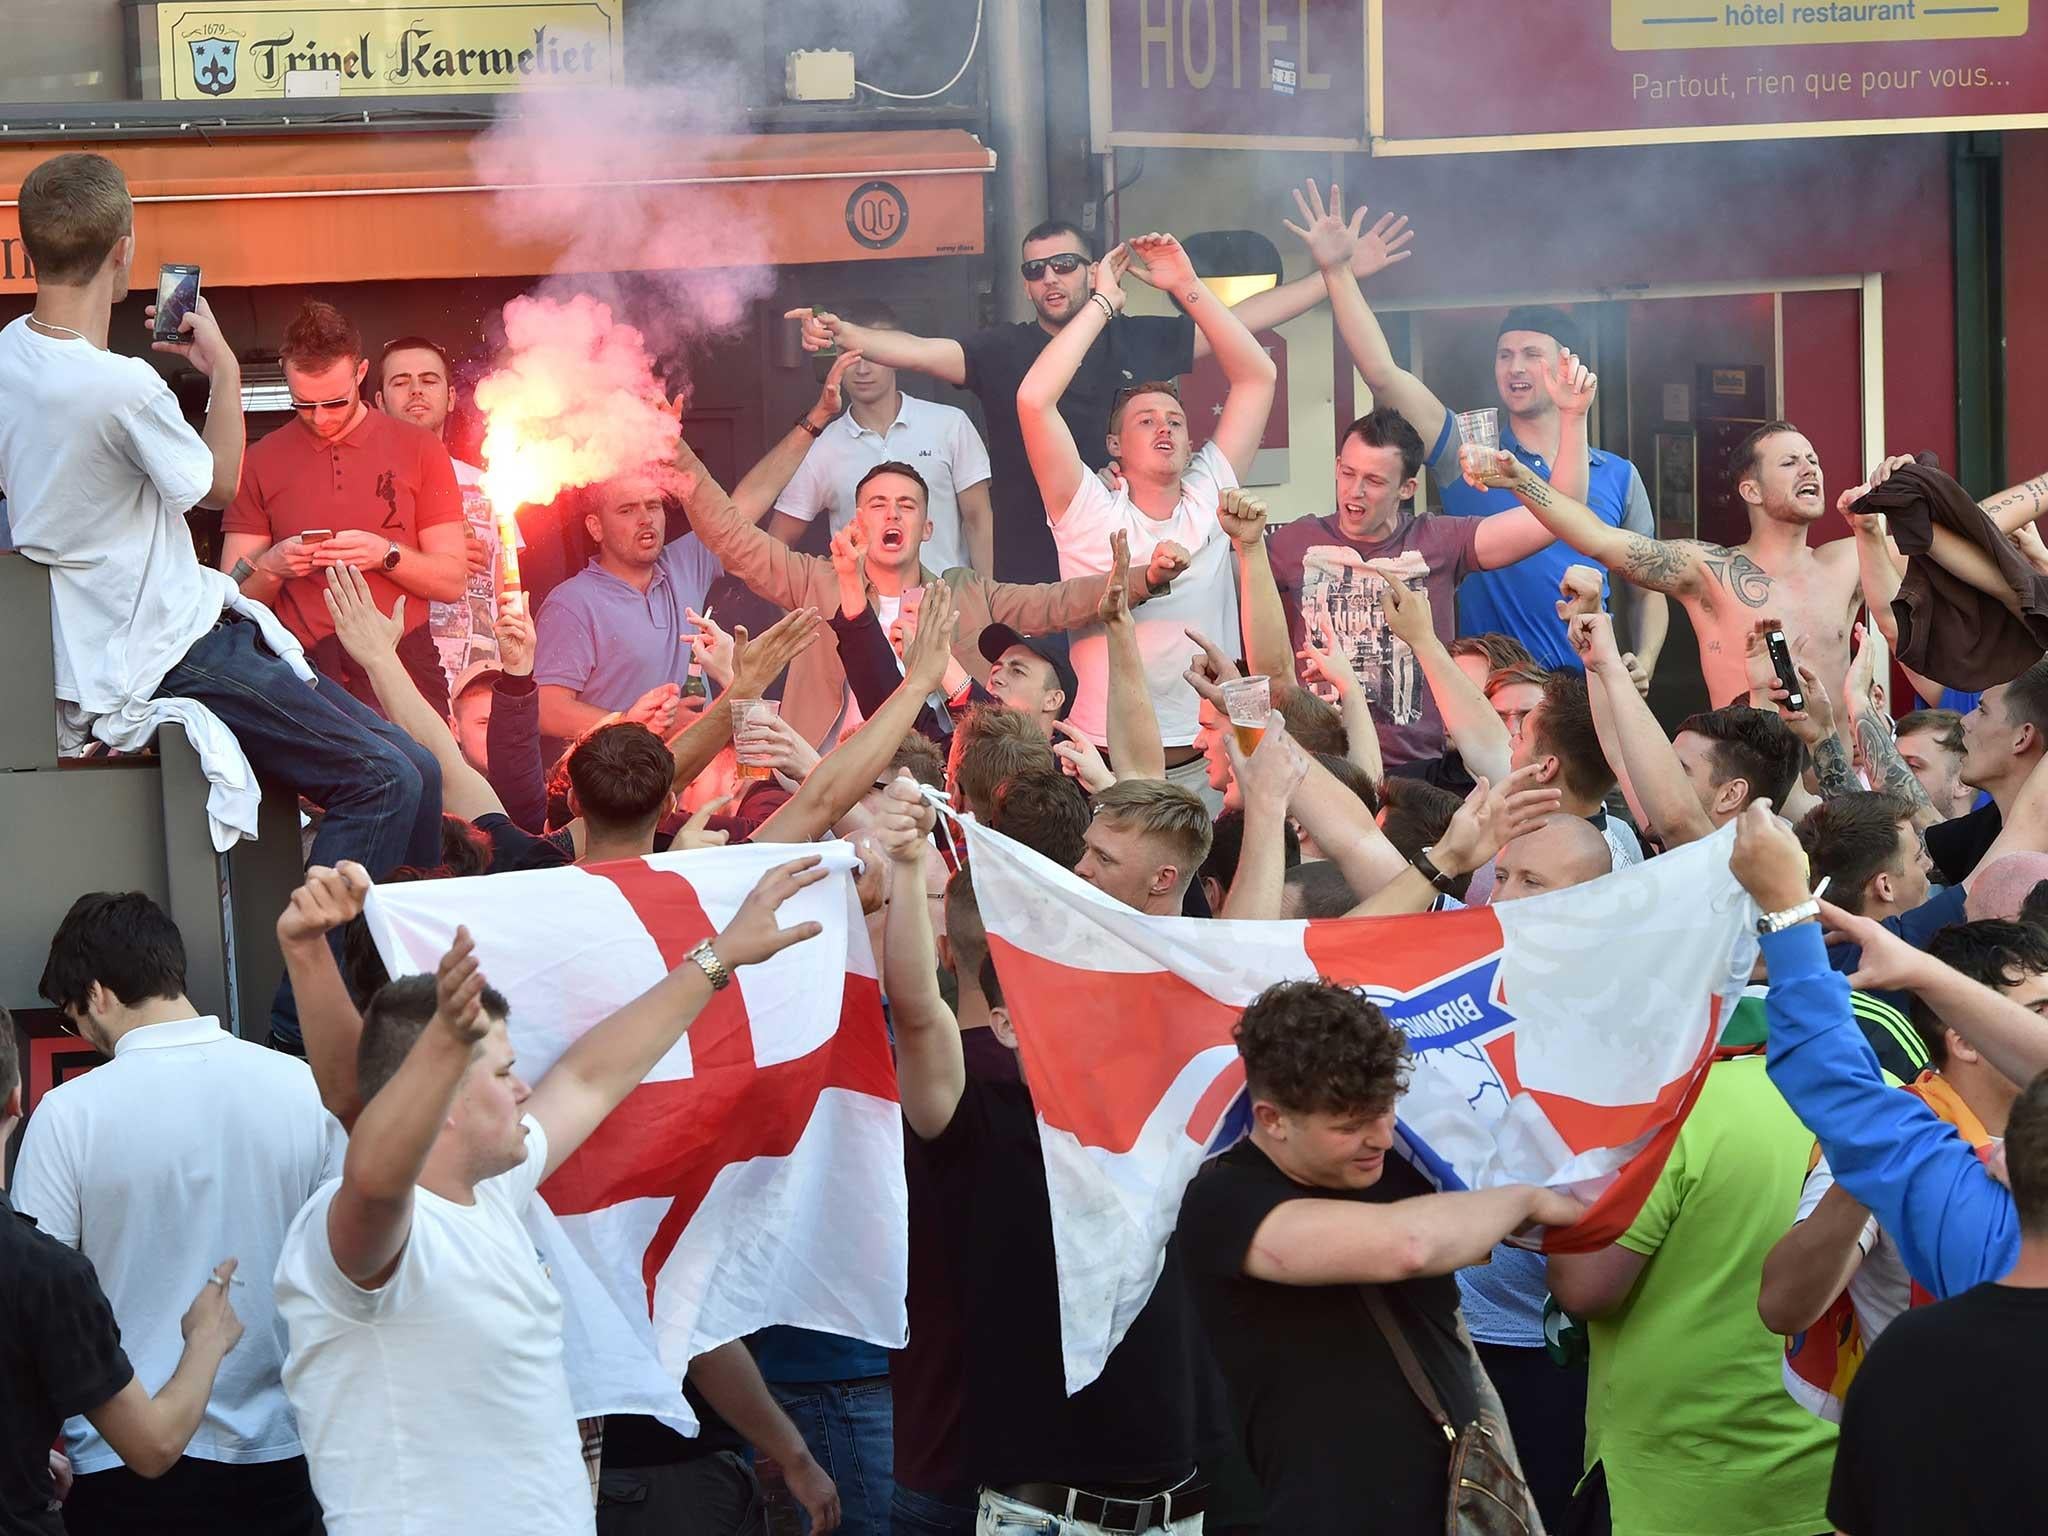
{"type": "Point", "coordinates": [177, 295]}
{"type": "Point", "coordinates": [1781, 663]}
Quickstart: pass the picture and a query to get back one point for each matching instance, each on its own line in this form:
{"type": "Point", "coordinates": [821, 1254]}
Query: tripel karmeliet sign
{"type": "Point", "coordinates": [243, 50]}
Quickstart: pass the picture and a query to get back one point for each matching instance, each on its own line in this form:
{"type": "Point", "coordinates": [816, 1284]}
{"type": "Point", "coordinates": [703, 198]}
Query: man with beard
{"type": "Point", "coordinates": [1776, 570]}
{"type": "Point", "coordinates": [618, 628]}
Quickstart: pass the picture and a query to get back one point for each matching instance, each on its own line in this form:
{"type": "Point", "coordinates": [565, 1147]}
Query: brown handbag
{"type": "Point", "coordinates": [1487, 1496]}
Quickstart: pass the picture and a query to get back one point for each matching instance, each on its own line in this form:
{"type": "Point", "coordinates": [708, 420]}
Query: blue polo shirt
{"type": "Point", "coordinates": [610, 641]}
{"type": "Point", "coordinates": [1521, 599]}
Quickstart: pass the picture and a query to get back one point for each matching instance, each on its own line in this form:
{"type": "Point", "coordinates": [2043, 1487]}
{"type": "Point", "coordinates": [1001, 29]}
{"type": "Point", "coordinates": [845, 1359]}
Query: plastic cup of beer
{"type": "Point", "coordinates": [749, 745]}
{"type": "Point", "coordinates": [1248, 701]}
{"type": "Point", "coordinates": [1479, 440]}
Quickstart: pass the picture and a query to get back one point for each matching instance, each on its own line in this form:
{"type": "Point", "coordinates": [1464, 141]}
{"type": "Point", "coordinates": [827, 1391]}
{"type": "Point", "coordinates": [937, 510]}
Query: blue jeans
{"type": "Point", "coordinates": [381, 790]}
{"type": "Point", "coordinates": [849, 1427]}
{"type": "Point", "coordinates": [919, 1514]}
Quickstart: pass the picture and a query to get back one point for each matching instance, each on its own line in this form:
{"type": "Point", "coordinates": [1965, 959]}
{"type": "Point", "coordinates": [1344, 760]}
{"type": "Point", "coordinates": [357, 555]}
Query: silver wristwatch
{"type": "Point", "coordinates": [714, 969]}
{"type": "Point", "coordinates": [1778, 922]}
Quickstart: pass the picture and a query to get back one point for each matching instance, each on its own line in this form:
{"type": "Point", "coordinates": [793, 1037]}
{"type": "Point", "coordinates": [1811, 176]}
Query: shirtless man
{"type": "Point", "coordinates": [1816, 592]}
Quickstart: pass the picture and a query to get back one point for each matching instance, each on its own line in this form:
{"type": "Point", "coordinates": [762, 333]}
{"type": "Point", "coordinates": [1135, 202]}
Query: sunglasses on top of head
{"type": "Point", "coordinates": [1064, 263]}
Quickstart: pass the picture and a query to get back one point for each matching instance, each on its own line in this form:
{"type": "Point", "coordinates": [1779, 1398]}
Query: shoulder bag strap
{"type": "Point", "coordinates": [1404, 1356]}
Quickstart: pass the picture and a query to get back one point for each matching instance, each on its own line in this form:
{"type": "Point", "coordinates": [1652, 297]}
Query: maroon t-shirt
{"type": "Point", "coordinates": [1322, 580]}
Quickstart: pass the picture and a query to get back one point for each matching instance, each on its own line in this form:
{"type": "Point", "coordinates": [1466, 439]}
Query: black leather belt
{"type": "Point", "coordinates": [1112, 1514]}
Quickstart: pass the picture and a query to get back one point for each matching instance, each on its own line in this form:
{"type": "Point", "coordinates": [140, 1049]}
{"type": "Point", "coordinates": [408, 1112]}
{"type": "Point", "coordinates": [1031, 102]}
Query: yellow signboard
{"type": "Point", "coordinates": [1671, 24]}
{"type": "Point", "coordinates": [244, 50]}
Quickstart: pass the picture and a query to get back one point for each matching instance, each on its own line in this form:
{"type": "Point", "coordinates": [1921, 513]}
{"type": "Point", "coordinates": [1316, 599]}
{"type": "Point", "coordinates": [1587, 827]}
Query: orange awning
{"type": "Point", "coordinates": [366, 207]}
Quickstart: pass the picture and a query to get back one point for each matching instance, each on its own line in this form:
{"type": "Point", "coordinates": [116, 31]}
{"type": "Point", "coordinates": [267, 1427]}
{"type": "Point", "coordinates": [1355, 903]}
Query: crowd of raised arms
{"type": "Point", "coordinates": [285, 1284]}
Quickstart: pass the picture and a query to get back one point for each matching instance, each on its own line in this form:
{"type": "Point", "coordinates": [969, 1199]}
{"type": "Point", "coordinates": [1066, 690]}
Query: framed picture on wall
{"type": "Point", "coordinates": [1677, 500]}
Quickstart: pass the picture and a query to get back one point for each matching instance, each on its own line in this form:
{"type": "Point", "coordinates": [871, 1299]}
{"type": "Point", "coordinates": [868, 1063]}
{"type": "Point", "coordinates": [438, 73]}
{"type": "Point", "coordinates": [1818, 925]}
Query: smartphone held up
{"type": "Point", "coordinates": [177, 295]}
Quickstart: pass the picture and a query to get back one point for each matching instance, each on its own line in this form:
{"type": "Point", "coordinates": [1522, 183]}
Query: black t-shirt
{"type": "Point", "coordinates": [1338, 1440]}
{"type": "Point", "coordinates": [1958, 844]}
{"type": "Point", "coordinates": [1133, 1426]}
{"type": "Point", "coordinates": [636, 1440]}
{"type": "Point", "coordinates": [928, 1376]}
{"type": "Point", "coordinates": [1131, 350]}
{"type": "Point", "coordinates": [1939, 1432]}
{"type": "Point", "coordinates": [60, 1354]}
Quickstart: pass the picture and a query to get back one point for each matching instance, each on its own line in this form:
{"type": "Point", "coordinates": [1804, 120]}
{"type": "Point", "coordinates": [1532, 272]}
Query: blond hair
{"type": "Point", "coordinates": [1154, 808]}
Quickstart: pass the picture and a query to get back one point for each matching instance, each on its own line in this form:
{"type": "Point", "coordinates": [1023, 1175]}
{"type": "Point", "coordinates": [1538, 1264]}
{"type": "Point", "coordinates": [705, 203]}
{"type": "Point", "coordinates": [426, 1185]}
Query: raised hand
{"type": "Point", "coordinates": [1331, 241]}
{"type": "Point", "coordinates": [363, 632]}
{"type": "Point", "coordinates": [1081, 760]}
{"type": "Point", "coordinates": [1493, 816]}
{"type": "Point", "coordinates": [1113, 608]}
{"type": "Point", "coordinates": [1210, 669]}
{"type": "Point", "coordinates": [515, 636]}
{"type": "Point", "coordinates": [1846, 502]}
{"type": "Point", "coordinates": [1770, 864]}
{"type": "Point", "coordinates": [1168, 561]}
{"type": "Point", "coordinates": [1490, 469]}
{"type": "Point", "coordinates": [831, 396]}
{"type": "Point", "coordinates": [772, 740]}
{"type": "Point", "coordinates": [1408, 612]}
{"type": "Point", "coordinates": [753, 934]}
{"type": "Point", "coordinates": [1381, 246]}
{"type": "Point", "coordinates": [1242, 516]}
{"type": "Point", "coordinates": [757, 663]}
{"type": "Point", "coordinates": [1330, 661]}
{"type": "Point", "coordinates": [1580, 591]}
{"type": "Point", "coordinates": [459, 992]}
{"type": "Point", "coordinates": [199, 342]}
{"type": "Point", "coordinates": [711, 645]}
{"type": "Point", "coordinates": [1592, 640]}
{"type": "Point", "coordinates": [328, 899]}
{"type": "Point", "coordinates": [821, 327]}
{"type": "Point", "coordinates": [1106, 278]}
{"type": "Point", "coordinates": [929, 651]}
{"type": "Point", "coordinates": [1166, 263]}
{"type": "Point", "coordinates": [1572, 385]}
{"type": "Point", "coordinates": [904, 820]}
{"type": "Point", "coordinates": [1273, 771]}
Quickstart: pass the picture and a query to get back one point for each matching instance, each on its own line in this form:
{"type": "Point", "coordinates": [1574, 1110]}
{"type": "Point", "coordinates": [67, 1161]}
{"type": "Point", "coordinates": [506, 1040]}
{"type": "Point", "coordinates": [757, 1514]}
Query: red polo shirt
{"type": "Point", "coordinates": [387, 476]}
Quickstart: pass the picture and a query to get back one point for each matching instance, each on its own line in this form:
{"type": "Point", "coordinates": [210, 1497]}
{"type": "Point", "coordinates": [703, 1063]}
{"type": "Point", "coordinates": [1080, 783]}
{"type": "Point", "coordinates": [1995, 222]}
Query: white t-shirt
{"type": "Point", "coordinates": [438, 1403]}
{"type": "Point", "coordinates": [1203, 597]}
{"type": "Point", "coordinates": [1879, 1291]}
{"type": "Point", "coordinates": [100, 469]}
{"type": "Point", "coordinates": [938, 441]}
{"type": "Point", "coordinates": [189, 1147]}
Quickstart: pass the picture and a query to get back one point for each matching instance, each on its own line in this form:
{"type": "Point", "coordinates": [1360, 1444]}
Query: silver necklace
{"type": "Point", "coordinates": [32, 320]}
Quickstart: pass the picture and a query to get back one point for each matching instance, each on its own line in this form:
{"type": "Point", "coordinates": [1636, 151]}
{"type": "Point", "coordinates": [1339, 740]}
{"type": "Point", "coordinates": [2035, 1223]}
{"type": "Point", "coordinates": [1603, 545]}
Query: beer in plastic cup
{"type": "Point", "coordinates": [752, 757]}
{"type": "Point", "coordinates": [1248, 701]}
{"type": "Point", "coordinates": [1479, 441]}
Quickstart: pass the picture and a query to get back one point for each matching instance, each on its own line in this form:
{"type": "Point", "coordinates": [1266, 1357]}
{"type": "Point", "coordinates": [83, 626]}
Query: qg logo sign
{"type": "Point", "coordinates": [877, 215]}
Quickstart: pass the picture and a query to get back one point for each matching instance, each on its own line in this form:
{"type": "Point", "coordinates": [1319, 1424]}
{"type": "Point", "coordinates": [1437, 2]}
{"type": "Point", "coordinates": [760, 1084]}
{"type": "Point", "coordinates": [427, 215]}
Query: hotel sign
{"type": "Point", "coordinates": [252, 50]}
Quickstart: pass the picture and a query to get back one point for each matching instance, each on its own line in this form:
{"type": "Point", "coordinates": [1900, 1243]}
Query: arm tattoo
{"type": "Point", "coordinates": [1749, 582]}
{"type": "Point", "coordinates": [2033, 492]}
{"type": "Point", "coordinates": [1881, 756]}
{"type": "Point", "coordinates": [1654, 563]}
{"type": "Point", "coordinates": [1536, 493]}
{"type": "Point", "coordinates": [1831, 768]}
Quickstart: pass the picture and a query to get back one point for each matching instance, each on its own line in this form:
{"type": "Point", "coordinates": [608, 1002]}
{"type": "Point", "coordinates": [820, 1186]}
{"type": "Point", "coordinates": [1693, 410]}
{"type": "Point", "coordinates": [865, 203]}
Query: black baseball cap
{"type": "Point", "coordinates": [998, 638]}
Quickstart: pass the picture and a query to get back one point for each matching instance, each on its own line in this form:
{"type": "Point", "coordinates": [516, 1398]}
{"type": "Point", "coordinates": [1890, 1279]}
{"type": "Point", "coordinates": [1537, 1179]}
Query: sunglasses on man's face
{"type": "Point", "coordinates": [302, 406]}
{"type": "Point", "coordinates": [1064, 263]}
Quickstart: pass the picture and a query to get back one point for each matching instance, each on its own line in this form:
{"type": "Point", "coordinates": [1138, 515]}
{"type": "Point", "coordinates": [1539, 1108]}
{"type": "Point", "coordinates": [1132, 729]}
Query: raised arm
{"type": "Point", "coordinates": [939, 356]}
{"type": "Point", "coordinates": [1133, 722]}
{"type": "Point", "coordinates": [1250, 372]}
{"type": "Point", "coordinates": [1340, 1242]}
{"type": "Point", "coordinates": [1494, 814]}
{"type": "Point", "coordinates": [1324, 231]}
{"type": "Point", "coordinates": [372, 640]}
{"type": "Point", "coordinates": [611, 1058]}
{"type": "Point", "coordinates": [847, 772]}
{"type": "Point", "coordinates": [2016, 506]}
{"type": "Point", "coordinates": [1056, 463]}
{"type": "Point", "coordinates": [931, 1069]}
{"type": "Point", "coordinates": [1663, 565]}
{"type": "Point", "coordinates": [1267, 779]}
{"type": "Point", "coordinates": [755, 666]}
{"type": "Point", "coordinates": [1660, 793]}
{"type": "Point", "coordinates": [1267, 649]}
{"type": "Point", "coordinates": [201, 344]}
{"type": "Point", "coordinates": [1469, 720]}
{"type": "Point", "coordinates": [1361, 736]}
{"type": "Point", "coordinates": [332, 1028]}
{"type": "Point", "coordinates": [758, 488]}
{"type": "Point", "coordinates": [768, 566]}
{"type": "Point", "coordinates": [512, 752]}
{"type": "Point", "coordinates": [370, 1216]}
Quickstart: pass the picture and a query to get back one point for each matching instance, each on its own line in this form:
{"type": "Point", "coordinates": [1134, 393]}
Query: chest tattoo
{"type": "Point", "coordinates": [1739, 574]}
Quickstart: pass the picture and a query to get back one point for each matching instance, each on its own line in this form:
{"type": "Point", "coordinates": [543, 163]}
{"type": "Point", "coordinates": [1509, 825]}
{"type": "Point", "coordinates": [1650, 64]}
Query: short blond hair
{"type": "Point", "coordinates": [1155, 808]}
{"type": "Point", "coordinates": [74, 208]}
